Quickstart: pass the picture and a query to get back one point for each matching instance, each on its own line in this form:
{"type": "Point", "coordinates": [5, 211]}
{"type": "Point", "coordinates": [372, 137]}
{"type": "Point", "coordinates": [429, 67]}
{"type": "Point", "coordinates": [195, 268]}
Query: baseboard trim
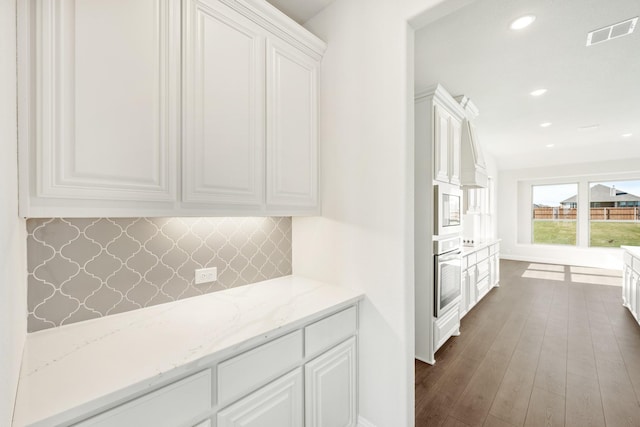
{"type": "Point", "coordinates": [431, 361]}
{"type": "Point", "coordinates": [553, 260]}
{"type": "Point", "coordinates": [363, 422]}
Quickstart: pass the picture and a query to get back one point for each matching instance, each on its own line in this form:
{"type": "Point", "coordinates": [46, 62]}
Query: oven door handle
{"type": "Point", "coordinates": [449, 255]}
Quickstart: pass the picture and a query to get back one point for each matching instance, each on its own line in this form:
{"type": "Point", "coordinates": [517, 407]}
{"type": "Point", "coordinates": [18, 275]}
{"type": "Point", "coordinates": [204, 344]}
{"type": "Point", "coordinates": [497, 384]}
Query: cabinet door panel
{"type": "Point", "coordinates": [330, 388]}
{"type": "Point", "coordinates": [223, 106]}
{"type": "Point", "coordinates": [440, 144]}
{"type": "Point", "coordinates": [106, 90]}
{"type": "Point", "coordinates": [292, 148]}
{"type": "Point", "coordinates": [455, 153]}
{"type": "Point", "coordinates": [277, 404]}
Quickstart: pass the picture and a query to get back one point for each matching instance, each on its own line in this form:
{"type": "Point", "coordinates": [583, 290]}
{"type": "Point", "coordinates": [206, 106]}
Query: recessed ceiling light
{"type": "Point", "coordinates": [550, 145]}
{"type": "Point", "coordinates": [538, 92]}
{"type": "Point", "coordinates": [522, 22]}
{"type": "Point", "coordinates": [626, 135]}
{"type": "Point", "coordinates": [588, 128]}
{"type": "Point", "coordinates": [545, 125]}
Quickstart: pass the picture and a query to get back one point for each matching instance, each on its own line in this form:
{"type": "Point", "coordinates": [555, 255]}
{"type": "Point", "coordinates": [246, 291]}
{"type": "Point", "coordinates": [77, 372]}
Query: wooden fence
{"type": "Point", "coordinates": [598, 214]}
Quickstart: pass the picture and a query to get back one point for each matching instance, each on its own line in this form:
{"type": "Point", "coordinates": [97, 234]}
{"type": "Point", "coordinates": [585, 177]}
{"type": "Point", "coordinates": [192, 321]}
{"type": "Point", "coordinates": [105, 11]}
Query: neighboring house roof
{"type": "Point", "coordinates": [602, 193]}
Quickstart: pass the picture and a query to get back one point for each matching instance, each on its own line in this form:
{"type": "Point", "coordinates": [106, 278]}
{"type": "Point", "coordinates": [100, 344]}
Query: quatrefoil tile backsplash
{"type": "Point", "coordinates": [81, 269]}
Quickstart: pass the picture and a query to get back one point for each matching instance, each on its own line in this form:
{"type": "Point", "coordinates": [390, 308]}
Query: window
{"type": "Point", "coordinates": [479, 202]}
{"type": "Point", "coordinates": [614, 213]}
{"type": "Point", "coordinates": [554, 214]}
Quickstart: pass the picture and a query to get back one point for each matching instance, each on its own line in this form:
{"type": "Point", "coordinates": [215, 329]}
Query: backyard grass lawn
{"type": "Point", "coordinates": [603, 234]}
{"type": "Point", "coordinates": [554, 232]}
{"type": "Point", "coordinates": [614, 234]}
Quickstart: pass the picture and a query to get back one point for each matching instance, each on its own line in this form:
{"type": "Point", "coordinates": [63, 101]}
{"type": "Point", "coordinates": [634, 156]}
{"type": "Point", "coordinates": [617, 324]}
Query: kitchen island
{"type": "Point", "coordinates": [631, 280]}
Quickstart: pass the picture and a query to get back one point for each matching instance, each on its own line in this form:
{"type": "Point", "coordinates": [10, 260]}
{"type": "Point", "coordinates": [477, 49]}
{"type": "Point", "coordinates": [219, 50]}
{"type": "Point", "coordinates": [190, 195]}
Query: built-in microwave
{"type": "Point", "coordinates": [447, 210]}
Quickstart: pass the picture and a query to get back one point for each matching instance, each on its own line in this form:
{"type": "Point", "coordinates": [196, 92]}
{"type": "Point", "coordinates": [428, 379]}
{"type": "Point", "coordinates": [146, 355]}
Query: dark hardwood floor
{"type": "Point", "coordinates": [550, 347]}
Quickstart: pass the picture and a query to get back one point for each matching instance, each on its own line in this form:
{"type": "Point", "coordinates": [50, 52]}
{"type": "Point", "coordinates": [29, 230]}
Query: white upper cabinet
{"type": "Point", "coordinates": [99, 92]}
{"type": "Point", "coordinates": [292, 146]}
{"type": "Point", "coordinates": [455, 153]}
{"type": "Point", "coordinates": [224, 104]}
{"type": "Point", "coordinates": [445, 132]}
{"type": "Point", "coordinates": [166, 107]}
{"type": "Point", "coordinates": [441, 119]}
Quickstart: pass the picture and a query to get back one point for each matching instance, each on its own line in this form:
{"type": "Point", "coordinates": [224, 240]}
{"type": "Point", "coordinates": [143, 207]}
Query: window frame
{"type": "Point", "coordinates": [577, 208]}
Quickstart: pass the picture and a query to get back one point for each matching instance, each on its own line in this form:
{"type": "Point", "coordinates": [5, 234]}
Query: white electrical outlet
{"type": "Point", "coordinates": [206, 275]}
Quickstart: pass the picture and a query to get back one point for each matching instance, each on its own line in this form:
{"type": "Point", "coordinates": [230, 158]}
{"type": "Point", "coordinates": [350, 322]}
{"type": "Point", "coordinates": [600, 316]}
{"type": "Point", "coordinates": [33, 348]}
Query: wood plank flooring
{"type": "Point", "coordinates": [552, 346]}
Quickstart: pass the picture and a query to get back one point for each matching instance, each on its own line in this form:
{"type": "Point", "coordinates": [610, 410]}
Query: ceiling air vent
{"type": "Point", "coordinates": [614, 31]}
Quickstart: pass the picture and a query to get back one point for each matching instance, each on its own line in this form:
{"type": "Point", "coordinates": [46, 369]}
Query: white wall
{"type": "Point", "coordinates": [514, 206]}
{"type": "Point", "coordinates": [13, 299]}
{"type": "Point", "coordinates": [364, 238]}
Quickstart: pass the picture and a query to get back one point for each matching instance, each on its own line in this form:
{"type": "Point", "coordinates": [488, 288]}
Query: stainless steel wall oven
{"type": "Point", "coordinates": [447, 274]}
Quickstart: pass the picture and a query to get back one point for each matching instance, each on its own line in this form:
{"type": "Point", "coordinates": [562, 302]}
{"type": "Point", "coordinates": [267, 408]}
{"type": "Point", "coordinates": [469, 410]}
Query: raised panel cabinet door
{"type": "Point", "coordinates": [629, 285]}
{"type": "Point", "coordinates": [440, 144]}
{"type": "Point", "coordinates": [277, 404]}
{"type": "Point", "coordinates": [330, 387]}
{"type": "Point", "coordinates": [223, 108]}
{"type": "Point", "coordinates": [292, 135]}
{"type": "Point", "coordinates": [102, 98]}
{"type": "Point", "coordinates": [471, 286]}
{"type": "Point", "coordinates": [464, 297]}
{"type": "Point", "coordinates": [455, 134]}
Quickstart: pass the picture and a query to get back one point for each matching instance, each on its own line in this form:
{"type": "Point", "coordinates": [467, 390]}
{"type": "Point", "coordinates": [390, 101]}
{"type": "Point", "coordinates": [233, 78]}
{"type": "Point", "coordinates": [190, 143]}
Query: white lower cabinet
{"type": "Point", "coordinates": [306, 377]}
{"type": "Point", "coordinates": [445, 327]}
{"type": "Point", "coordinates": [631, 282]}
{"type": "Point", "coordinates": [277, 404]}
{"type": "Point", "coordinates": [330, 388]}
{"type": "Point", "coordinates": [481, 275]}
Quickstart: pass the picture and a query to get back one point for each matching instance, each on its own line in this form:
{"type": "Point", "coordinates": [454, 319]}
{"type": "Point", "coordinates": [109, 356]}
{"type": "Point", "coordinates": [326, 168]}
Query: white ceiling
{"type": "Point", "coordinates": [300, 10]}
{"type": "Point", "coordinates": [473, 52]}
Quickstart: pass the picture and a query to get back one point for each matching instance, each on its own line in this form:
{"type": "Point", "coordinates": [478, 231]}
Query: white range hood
{"type": "Point", "coordinates": [473, 169]}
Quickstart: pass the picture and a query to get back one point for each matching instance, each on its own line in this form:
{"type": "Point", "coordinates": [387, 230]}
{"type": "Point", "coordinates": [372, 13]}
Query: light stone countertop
{"type": "Point", "coordinates": [75, 369]}
{"type": "Point", "coordinates": [466, 250]}
{"type": "Point", "coordinates": [633, 250]}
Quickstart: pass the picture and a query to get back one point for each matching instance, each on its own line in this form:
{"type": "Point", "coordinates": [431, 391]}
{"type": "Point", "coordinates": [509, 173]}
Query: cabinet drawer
{"type": "Point", "coordinates": [241, 374]}
{"type": "Point", "coordinates": [495, 249]}
{"type": "Point", "coordinates": [327, 332]}
{"type": "Point", "coordinates": [169, 406]}
{"type": "Point", "coordinates": [482, 287]}
{"type": "Point", "coordinates": [471, 259]}
{"type": "Point", "coordinates": [636, 265]}
{"type": "Point", "coordinates": [483, 269]}
{"type": "Point", "coordinates": [445, 326]}
{"type": "Point", "coordinates": [482, 254]}
{"type": "Point", "coordinates": [628, 259]}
